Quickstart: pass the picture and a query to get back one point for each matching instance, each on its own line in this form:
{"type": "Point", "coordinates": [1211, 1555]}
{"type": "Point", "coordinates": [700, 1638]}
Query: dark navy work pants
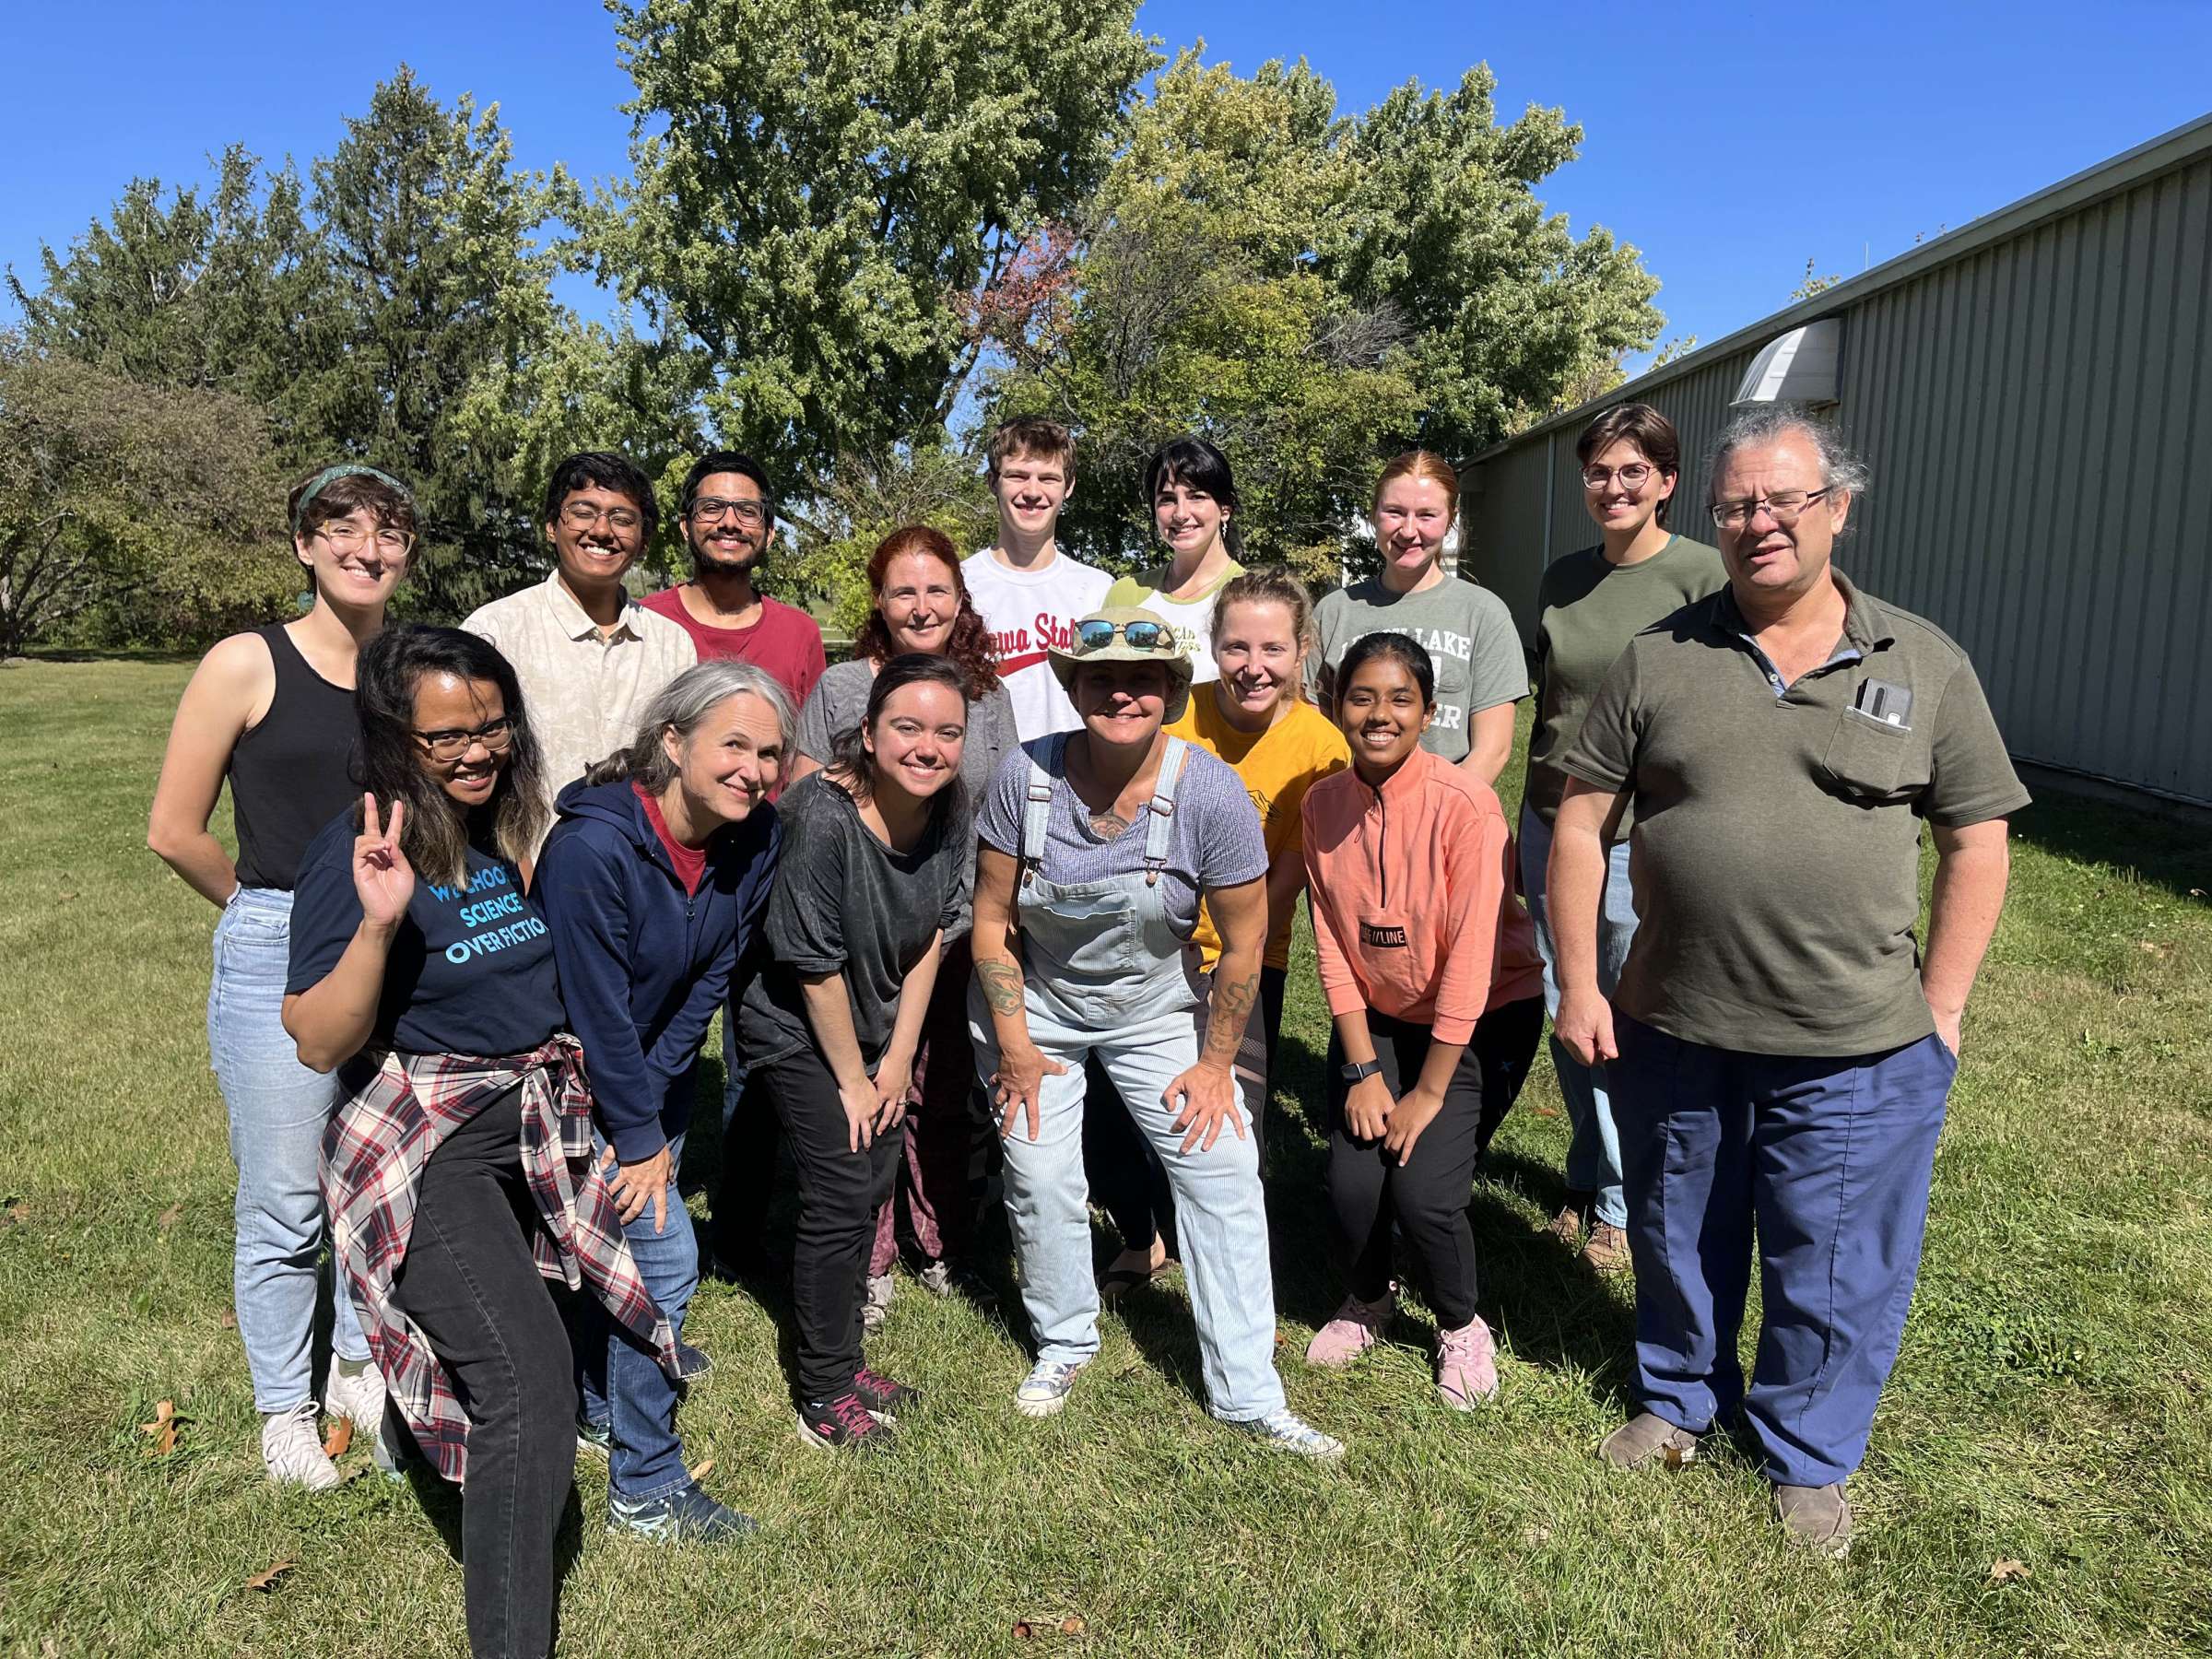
{"type": "Point", "coordinates": [1831, 1159]}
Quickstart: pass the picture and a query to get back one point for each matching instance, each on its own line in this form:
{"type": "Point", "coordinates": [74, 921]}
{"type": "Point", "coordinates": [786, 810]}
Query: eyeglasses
{"type": "Point", "coordinates": [583, 515]}
{"type": "Point", "coordinates": [706, 509]}
{"type": "Point", "coordinates": [453, 742]}
{"type": "Point", "coordinates": [1784, 507]}
{"type": "Point", "coordinates": [1631, 476]}
{"type": "Point", "coordinates": [347, 538]}
{"type": "Point", "coordinates": [1142, 636]}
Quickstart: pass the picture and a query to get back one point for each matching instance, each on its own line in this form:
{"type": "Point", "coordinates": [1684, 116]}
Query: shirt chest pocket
{"type": "Point", "coordinates": [1869, 759]}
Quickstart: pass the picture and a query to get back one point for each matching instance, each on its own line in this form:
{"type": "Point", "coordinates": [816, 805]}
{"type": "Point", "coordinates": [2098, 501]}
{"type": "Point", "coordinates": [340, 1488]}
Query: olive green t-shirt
{"type": "Point", "coordinates": [1466, 630]}
{"type": "Point", "coordinates": [1587, 611]}
{"type": "Point", "coordinates": [1775, 857]}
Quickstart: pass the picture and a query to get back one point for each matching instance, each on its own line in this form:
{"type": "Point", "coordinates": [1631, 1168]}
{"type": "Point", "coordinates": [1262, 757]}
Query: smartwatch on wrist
{"type": "Point", "coordinates": [1359, 1071]}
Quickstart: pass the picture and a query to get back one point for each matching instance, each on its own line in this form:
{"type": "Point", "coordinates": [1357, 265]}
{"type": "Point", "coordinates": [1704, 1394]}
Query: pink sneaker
{"type": "Point", "coordinates": [1357, 1326]}
{"type": "Point", "coordinates": [1466, 1366]}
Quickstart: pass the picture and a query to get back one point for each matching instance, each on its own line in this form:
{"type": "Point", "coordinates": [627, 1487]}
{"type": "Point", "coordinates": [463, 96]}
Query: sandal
{"type": "Point", "coordinates": [1117, 1282]}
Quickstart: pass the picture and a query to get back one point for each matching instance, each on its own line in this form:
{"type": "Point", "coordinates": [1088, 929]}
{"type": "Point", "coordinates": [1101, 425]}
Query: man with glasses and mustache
{"type": "Point", "coordinates": [588, 655]}
{"type": "Point", "coordinates": [729, 522]}
{"type": "Point", "coordinates": [1780, 1045]}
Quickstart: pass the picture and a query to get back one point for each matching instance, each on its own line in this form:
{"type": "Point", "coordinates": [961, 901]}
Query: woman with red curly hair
{"type": "Point", "coordinates": [919, 602]}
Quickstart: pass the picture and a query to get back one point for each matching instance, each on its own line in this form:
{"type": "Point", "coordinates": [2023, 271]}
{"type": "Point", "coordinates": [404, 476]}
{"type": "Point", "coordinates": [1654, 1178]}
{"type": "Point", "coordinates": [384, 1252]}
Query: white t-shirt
{"type": "Point", "coordinates": [1028, 610]}
{"type": "Point", "coordinates": [1192, 618]}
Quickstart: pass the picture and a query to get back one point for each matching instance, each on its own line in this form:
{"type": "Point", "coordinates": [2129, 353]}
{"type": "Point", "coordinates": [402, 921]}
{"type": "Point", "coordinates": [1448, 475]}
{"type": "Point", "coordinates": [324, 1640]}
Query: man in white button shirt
{"type": "Point", "coordinates": [588, 655]}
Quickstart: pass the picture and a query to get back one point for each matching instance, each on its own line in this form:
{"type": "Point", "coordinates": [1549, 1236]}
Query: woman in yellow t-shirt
{"type": "Point", "coordinates": [1254, 716]}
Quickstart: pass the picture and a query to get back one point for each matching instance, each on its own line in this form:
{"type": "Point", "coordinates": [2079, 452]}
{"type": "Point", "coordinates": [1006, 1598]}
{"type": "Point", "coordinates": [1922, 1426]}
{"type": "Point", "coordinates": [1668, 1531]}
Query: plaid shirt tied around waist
{"type": "Point", "coordinates": [373, 1155]}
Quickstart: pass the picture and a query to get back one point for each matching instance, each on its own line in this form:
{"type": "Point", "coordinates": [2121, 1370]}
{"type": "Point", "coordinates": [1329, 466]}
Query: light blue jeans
{"type": "Point", "coordinates": [622, 1385]}
{"type": "Point", "coordinates": [278, 1110]}
{"type": "Point", "coordinates": [1594, 1148]}
{"type": "Point", "coordinates": [1220, 1217]}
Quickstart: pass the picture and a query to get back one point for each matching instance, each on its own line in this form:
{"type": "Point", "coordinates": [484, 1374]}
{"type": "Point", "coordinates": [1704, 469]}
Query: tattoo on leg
{"type": "Point", "coordinates": [1001, 982]}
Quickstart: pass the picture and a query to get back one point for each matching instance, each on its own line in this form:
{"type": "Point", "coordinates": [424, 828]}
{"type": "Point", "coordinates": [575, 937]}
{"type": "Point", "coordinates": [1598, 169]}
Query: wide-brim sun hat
{"type": "Point", "coordinates": [1169, 655]}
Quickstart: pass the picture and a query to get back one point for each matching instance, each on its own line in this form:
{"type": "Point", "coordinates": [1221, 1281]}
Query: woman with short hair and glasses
{"type": "Point", "coordinates": [271, 713]}
{"type": "Point", "coordinates": [1099, 846]}
{"type": "Point", "coordinates": [459, 1171]}
{"type": "Point", "coordinates": [1589, 606]}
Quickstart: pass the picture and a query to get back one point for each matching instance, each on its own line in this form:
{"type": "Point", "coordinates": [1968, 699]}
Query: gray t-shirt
{"type": "Point", "coordinates": [838, 700]}
{"type": "Point", "coordinates": [844, 903]}
{"type": "Point", "coordinates": [1466, 629]}
{"type": "Point", "coordinates": [1215, 841]}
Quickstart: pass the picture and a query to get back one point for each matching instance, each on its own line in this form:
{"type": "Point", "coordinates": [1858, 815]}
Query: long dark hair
{"type": "Point", "coordinates": [970, 645]}
{"type": "Point", "coordinates": [1197, 465]}
{"type": "Point", "coordinates": [437, 833]}
{"type": "Point", "coordinates": [848, 752]}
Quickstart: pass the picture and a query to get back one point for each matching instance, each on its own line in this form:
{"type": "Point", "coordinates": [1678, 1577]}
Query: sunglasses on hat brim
{"type": "Point", "coordinates": [1140, 636]}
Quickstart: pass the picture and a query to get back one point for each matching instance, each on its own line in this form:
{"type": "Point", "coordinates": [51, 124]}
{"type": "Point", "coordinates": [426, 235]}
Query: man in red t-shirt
{"type": "Point", "coordinates": [728, 520]}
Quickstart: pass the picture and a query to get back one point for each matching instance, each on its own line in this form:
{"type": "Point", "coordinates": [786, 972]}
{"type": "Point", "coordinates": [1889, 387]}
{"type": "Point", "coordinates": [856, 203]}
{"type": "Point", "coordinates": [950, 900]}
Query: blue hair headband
{"type": "Point", "coordinates": [347, 469]}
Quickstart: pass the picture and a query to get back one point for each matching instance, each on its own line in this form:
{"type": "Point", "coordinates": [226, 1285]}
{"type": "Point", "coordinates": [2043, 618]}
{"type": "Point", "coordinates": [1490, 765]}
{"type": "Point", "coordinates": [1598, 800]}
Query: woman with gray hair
{"type": "Point", "coordinates": [653, 881]}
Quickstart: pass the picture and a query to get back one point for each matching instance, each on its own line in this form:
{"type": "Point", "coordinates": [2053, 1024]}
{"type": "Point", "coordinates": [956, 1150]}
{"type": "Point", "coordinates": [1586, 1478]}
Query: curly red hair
{"type": "Point", "coordinates": [971, 649]}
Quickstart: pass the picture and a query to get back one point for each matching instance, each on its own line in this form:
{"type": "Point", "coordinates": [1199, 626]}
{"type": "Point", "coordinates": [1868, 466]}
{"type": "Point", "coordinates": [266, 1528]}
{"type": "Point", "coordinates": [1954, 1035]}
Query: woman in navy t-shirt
{"type": "Point", "coordinates": [458, 1173]}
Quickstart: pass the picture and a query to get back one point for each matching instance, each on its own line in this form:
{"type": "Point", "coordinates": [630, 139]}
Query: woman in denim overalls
{"type": "Point", "coordinates": [1087, 891]}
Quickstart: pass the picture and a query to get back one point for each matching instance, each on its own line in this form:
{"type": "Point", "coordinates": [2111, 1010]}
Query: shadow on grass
{"type": "Point", "coordinates": [2167, 850]}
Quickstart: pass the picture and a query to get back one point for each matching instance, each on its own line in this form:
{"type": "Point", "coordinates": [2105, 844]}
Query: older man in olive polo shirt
{"type": "Point", "coordinates": [1780, 1047]}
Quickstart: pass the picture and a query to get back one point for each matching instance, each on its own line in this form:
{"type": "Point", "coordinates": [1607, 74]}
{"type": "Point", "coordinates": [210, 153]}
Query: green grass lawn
{"type": "Point", "coordinates": [2053, 1405]}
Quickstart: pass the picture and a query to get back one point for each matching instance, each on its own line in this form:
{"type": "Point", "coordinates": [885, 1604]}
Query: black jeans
{"type": "Point", "coordinates": [1124, 1172]}
{"type": "Point", "coordinates": [471, 1285]}
{"type": "Point", "coordinates": [1428, 1197]}
{"type": "Point", "coordinates": [839, 1190]}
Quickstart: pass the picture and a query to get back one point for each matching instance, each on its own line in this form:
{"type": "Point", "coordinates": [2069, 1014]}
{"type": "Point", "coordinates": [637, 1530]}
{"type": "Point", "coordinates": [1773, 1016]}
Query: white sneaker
{"type": "Point", "coordinates": [877, 1308]}
{"type": "Point", "coordinates": [1287, 1431]}
{"type": "Point", "coordinates": [292, 1451]}
{"type": "Point", "coordinates": [1044, 1390]}
{"type": "Point", "coordinates": [356, 1389]}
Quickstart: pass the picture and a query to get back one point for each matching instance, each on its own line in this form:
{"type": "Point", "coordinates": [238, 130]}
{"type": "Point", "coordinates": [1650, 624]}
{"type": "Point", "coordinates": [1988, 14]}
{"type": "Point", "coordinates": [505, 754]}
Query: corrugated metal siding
{"type": "Point", "coordinates": [2035, 414]}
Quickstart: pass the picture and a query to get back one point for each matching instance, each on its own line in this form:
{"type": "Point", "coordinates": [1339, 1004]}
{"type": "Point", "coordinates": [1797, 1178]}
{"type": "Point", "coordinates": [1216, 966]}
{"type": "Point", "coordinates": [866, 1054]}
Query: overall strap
{"type": "Point", "coordinates": [1159, 828]}
{"type": "Point", "coordinates": [1046, 765]}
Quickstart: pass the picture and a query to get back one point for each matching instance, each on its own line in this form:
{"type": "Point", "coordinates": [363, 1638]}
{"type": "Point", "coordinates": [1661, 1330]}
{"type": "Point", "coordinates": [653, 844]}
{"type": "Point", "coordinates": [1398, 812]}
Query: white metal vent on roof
{"type": "Point", "coordinates": [1798, 367]}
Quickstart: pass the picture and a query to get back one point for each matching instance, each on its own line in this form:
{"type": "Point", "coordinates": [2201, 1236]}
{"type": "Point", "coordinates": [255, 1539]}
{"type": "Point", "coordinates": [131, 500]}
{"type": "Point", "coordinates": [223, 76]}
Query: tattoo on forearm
{"type": "Point", "coordinates": [1001, 982]}
{"type": "Point", "coordinates": [1231, 1012]}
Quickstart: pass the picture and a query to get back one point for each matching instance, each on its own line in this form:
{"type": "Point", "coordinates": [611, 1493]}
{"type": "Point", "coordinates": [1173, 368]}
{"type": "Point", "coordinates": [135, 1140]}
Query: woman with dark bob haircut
{"type": "Point", "coordinates": [458, 1171]}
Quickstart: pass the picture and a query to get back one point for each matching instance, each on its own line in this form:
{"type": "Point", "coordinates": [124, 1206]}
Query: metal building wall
{"type": "Point", "coordinates": [2034, 411]}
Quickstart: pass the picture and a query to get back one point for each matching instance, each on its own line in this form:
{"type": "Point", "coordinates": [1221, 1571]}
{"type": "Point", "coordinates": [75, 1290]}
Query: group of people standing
{"type": "Point", "coordinates": [1030, 861]}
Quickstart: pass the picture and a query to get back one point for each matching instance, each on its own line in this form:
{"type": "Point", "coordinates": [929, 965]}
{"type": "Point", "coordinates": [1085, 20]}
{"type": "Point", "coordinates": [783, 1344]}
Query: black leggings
{"type": "Point", "coordinates": [1428, 1197]}
{"type": "Point", "coordinates": [1126, 1176]}
{"type": "Point", "coordinates": [471, 1285]}
{"type": "Point", "coordinates": [839, 1192]}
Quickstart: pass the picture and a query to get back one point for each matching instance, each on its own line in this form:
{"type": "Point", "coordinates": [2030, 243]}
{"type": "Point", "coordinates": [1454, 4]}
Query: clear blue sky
{"type": "Point", "coordinates": [1729, 142]}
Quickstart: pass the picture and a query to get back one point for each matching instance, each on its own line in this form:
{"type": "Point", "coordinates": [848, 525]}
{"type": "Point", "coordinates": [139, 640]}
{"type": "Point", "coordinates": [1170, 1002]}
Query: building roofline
{"type": "Point", "coordinates": [2185, 144]}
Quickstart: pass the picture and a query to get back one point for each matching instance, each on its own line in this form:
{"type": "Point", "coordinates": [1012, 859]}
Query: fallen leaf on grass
{"type": "Point", "coordinates": [1071, 1626]}
{"type": "Point", "coordinates": [1023, 1629]}
{"type": "Point", "coordinates": [168, 1217]}
{"type": "Point", "coordinates": [265, 1582]}
{"type": "Point", "coordinates": [2004, 1572]}
{"type": "Point", "coordinates": [699, 1472]}
{"type": "Point", "coordinates": [12, 1210]}
{"type": "Point", "coordinates": [229, 1319]}
{"type": "Point", "coordinates": [338, 1439]}
{"type": "Point", "coordinates": [1546, 1110]}
{"type": "Point", "coordinates": [163, 1428]}
{"type": "Point", "coordinates": [1673, 1457]}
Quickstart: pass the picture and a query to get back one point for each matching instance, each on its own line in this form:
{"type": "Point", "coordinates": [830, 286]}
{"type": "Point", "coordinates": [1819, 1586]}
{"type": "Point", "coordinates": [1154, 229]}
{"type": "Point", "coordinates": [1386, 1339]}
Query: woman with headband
{"type": "Point", "coordinates": [271, 712]}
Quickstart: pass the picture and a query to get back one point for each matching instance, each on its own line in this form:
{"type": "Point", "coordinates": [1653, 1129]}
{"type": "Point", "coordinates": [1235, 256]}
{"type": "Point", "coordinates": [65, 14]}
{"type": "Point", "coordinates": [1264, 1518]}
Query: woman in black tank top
{"type": "Point", "coordinates": [272, 713]}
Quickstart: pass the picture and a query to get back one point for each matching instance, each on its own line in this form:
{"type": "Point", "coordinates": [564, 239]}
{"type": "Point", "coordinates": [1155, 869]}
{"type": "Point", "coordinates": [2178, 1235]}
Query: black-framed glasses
{"type": "Point", "coordinates": [583, 515]}
{"type": "Point", "coordinates": [708, 509]}
{"type": "Point", "coordinates": [452, 742]}
{"type": "Point", "coordinates": [1785, 507]}
{"type": "Point", "coordinates": [1634, 476]}
{"type": "Point", "coordinates": [1097, 635]}
{"type": "Point", "coordinates": [350, 539]}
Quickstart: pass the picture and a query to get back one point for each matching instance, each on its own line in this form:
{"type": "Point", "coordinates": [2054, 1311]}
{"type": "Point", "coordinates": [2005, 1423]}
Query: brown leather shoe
{"type": "Point", "coordinates": [1608, 1248]}
{"type": "Point", "coordinates": [1648, 1438]}
{"type": "Point", "coordinates": [1816, 1517]}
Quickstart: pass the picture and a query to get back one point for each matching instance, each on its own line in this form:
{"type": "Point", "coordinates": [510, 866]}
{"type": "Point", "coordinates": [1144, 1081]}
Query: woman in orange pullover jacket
{"type": "Point", "coordinates": [1432, 978]}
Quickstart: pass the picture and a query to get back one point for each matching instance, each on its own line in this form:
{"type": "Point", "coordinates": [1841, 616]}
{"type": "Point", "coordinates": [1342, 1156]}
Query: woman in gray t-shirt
{"type": "Point", "coordinates": [920, 604]}
{"type": "Point", "coordinates": [831, 1027]}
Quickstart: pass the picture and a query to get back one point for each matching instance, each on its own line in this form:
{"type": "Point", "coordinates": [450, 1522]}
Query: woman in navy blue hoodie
{"type": "Point", "coordinates": [653, 882]}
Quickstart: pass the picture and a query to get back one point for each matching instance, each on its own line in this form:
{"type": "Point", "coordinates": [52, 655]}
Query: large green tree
{"type": "Point", "coordinates": [821, 188]}
{"type": "Point", "coordinates": [129, 511]}
{"type": "Point", "coordinates": [1312, 291]}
